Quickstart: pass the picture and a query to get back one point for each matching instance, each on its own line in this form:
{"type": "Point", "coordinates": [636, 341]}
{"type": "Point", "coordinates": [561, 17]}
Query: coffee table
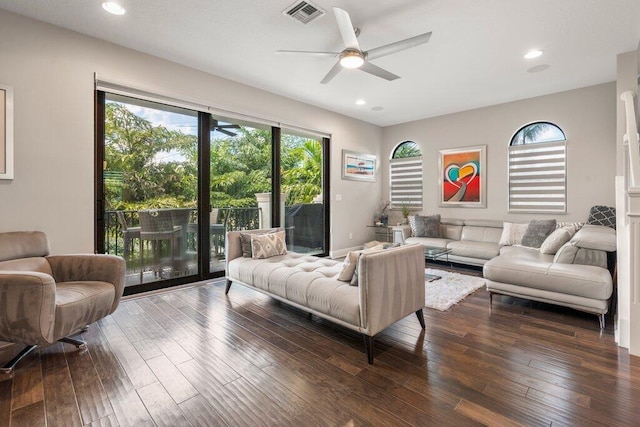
{"type": "Point", "coordinates": [433, 253]}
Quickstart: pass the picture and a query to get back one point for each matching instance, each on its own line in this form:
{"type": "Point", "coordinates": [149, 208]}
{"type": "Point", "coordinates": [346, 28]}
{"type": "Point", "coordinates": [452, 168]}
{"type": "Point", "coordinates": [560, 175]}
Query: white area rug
{"type": "Point", "coordinates": [450, 289]}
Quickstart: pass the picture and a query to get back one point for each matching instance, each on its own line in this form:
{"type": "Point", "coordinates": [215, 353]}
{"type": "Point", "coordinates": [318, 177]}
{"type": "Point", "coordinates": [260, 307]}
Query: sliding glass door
{"type": "Point", "coordinates": [171, 182]}
{"type": "Point", "coordinates": [302, 169]}
{"type": "Point", "coordinates": [150, 181]}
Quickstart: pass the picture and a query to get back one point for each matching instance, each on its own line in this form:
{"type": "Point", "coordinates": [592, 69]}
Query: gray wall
{"type": "Point", "coordinates": [52, 73]}
{"type": "Point", "coordinates": [587, 116]}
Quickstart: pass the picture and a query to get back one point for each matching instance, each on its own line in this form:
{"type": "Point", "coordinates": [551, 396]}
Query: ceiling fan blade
{"type": "Point", "coordinates": [332, 73]}
{"type": "Point", "coordinates": [388, 49]}
{"type": "Point", "coordinates": [368, 67]}
{"type": "Point", "coordinates": [305, 52]}
{"type": "Point", "coordinates": [226, 132]}
{"type": "Point", "coordinates": [346, 29]}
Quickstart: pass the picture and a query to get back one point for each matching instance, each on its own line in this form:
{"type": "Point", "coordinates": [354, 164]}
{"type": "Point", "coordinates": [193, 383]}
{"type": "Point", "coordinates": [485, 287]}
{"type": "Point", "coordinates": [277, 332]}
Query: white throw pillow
{"type": "Point", "coordinates": [512, 233]}
{"type": "Point", "coordinates": [555, 240]}
{"type": "Point", "coordinates": [268, 245]}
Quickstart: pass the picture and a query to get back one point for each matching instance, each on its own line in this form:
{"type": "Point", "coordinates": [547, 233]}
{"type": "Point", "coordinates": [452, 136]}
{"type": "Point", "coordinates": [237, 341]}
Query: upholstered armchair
{"type": "Point", "coordinates": [44, 298]}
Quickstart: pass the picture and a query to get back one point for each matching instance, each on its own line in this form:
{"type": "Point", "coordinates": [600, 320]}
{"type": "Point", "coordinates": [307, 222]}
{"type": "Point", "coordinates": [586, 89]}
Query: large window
{"type": "Point", "coordinates": [538, 169]}
{"type": "Point", "coordinates": [172, 181]}
{"type": "Point", "coordinates": [405, 172]}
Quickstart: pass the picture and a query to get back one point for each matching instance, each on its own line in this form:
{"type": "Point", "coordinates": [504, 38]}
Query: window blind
{"type": "Point", "coordinates": [538, 177]}
{"type": "Point", "coordinates": [406, 181]}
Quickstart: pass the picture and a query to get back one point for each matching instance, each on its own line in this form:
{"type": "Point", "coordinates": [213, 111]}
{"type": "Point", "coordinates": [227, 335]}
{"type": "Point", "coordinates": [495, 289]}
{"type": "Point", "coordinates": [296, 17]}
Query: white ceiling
{"type": "Point", "coordinates": [474, 57]}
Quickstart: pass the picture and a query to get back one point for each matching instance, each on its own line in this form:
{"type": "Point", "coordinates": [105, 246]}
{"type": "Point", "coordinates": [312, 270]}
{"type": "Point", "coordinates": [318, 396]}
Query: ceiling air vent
{"type": "Point", "coordinates": [303, 11]}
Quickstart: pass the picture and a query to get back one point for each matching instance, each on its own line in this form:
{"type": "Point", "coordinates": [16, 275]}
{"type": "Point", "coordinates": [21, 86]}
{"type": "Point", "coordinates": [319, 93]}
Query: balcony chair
{"type": "Point", "coordinates": [217, 230]}
{"type": "Point", "coordinates": [47, 298]}
{"type": "Point", "coordinates": [156, 227]}
{"type": "Point", "coordinates": [129, 234]}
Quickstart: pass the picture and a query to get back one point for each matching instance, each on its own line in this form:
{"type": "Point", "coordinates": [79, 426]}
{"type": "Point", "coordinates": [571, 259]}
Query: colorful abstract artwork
{"type": "Point", "coordinates": [358, 166]}
{"type": "Point", "coordinates": [462, 177]}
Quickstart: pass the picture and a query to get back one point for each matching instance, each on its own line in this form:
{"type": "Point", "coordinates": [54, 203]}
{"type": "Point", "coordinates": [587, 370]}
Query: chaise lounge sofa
{"type": "Point", "coordinates": [390, 284]}
{"type": "Point", "coordinates": [577, 275]}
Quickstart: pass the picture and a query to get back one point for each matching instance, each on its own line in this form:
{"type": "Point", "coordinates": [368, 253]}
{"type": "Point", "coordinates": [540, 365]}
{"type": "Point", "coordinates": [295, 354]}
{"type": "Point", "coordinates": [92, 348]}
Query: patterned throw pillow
{"type": "Point", "coordinates": [412, 224]}
{"type": "Point", "coordinates": [512, 233]}
{"type": "Point", "coordinates": [268, 245]}
{"type": "Point", "coordinates": [602, 215]}
{"type": "Point", "coordinates": [537, 232]}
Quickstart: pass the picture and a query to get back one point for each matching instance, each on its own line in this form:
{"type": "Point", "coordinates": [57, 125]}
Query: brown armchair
{"type": "Point", "coordinates": [44, 299]}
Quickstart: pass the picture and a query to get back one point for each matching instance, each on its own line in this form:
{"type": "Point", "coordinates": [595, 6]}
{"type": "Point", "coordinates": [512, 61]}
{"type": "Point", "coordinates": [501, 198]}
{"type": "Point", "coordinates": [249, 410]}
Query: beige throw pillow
{"type": "Point", "coordinates": [512, 233]}
{"type": "Point", "coordinates": [349, 266]}
{"type": "Point", "coordinates": [555, 240]}
{"type": "Point", "coordinates": [268, 245]}
{"type": "Point", "coordinates": [354, 278]}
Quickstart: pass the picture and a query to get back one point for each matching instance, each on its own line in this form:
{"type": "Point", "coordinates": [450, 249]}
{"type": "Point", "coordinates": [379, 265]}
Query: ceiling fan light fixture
{"type": "Point", "coordinates": [533, 54]}
{"type": "Point", "coordinates": [351, 59]}
{"type": "Point", "coordinates": [113, 8]}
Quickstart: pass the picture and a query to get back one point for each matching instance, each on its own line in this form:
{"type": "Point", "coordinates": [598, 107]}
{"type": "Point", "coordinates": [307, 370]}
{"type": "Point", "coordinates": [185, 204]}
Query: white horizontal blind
{"type": "Point", "coordinates": [538, 177]}
{"type": "Point", "coordinates": [406, 181]}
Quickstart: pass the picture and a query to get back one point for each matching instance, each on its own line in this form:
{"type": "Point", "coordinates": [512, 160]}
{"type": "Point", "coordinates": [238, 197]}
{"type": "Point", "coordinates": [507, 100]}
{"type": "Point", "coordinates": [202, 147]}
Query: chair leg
{"type": "Point", "coordinates": [602, 321]}
{"type": "Point", "coordinates": [73, 341]}
{"type": "Point", "coordinates": [8, 367]}
{"type": "Point", "coordinates": [226, 290]}
{"type": "Point", "coordinates": [420, 315]}
{"type": "Point", "coordinates": [490, 301]}
{"type": "Point", "coordinates": [368, 348]}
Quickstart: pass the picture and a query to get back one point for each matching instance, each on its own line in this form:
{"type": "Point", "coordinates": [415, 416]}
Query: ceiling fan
{"type": "Point", "coordinates": [354, 57]}
{"type": "Point", "coordinates": [216, 126]}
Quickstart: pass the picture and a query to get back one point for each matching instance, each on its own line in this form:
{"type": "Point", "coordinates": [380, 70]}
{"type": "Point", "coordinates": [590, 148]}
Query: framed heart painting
{"type": "Point", "coordinates": [463, 181]}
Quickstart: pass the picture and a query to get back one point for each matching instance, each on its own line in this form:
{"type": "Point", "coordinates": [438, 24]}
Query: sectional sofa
{"type": "Point", "coordinates": [577, 275]}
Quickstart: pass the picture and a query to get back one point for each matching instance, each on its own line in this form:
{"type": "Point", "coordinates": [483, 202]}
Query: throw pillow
{"type": "Point", "coordinates": [428, 226]}
{"type": "Point", "coordinates": [268, 245]}
{"type": "Point", "coordinates": [537, 232]}
{"type": "Point", "coordinates": [349, 266]}
{"type": "Point", "coordinates": [245, 244]}
{"type": "Point", "coordinates": [512, 233]}
{"type": "Point", "coordinates": [602, 215]}
{"type": "Point", "coordinates": [555, 240]}
{"type": "Point", "coordinates": [354, 279]}
{"type": "Point", "coordinates": [412, 224]}
{"type": "Point", "coordinates": [371, 244]}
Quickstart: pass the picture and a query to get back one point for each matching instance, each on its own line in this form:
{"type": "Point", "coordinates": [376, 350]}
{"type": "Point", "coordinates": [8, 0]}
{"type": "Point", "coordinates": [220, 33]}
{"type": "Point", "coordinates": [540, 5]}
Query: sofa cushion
{"type": "Point", "coordinates": [602, 215]}
{"type": "Point", "coordinates": [537, 232]}
{"type": "Point", "coordinates": [481, 234]}
{"type": "Point", "coordinates": [566, 254]}
{"type": "Point", "coordinates": [581, 280]}
{"type": "Point", "coordinates": [428, 241]}
{"type": "Point", "coordinates": [525, 252]}
{"type": "Point", "coordinates": [596, 237]}
{"type": "Point", "coordinates": [268, 245]}
{"type": "Point", "coordinates": [512, 233]}
{"type": "Point", "coordinates": [474, 249]}
{"type": "Point", "coordinates": [81, 303]}
{"type": "Point", "coordinates": [555, 240]}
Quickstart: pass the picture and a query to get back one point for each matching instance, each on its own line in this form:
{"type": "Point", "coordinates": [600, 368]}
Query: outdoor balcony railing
{"type": "Point", "coordinates": [121, 227]}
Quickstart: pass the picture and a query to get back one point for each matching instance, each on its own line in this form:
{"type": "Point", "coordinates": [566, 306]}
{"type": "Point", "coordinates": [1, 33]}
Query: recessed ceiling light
{"type": "Point", "coordinates": [113, 8]}
{"type": "Point", "coordinates": [361, 102]}
{"type": "Point", "coordinates": [377, 108]}
{"type": "Point", "coordinates": [533, 54]}
{"type": "Point", "coordinates": [538, 68]}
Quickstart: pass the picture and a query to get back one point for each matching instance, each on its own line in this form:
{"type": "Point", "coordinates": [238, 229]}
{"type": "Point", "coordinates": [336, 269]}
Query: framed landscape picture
{"type": "Point", "coordinates": [6, 132]}
{"type": "Point", "coordinates": [462, 178]}
{"type": "Point", "coordinates": [358, 166]}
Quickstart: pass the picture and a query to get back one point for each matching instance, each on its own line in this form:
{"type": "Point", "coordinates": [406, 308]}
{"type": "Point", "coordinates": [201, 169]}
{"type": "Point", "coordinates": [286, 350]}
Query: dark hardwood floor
{"type": "Point", "coordinates": [197, 357]}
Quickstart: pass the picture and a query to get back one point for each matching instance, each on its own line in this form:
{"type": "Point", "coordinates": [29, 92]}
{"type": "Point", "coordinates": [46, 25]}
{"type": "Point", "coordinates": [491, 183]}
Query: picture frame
{"type": "Point", "coordinates": [358, 166]}
{"type": "Point", "coordinates": [462, 181]}
{"type": "Point", "coordinates": [6, 132]}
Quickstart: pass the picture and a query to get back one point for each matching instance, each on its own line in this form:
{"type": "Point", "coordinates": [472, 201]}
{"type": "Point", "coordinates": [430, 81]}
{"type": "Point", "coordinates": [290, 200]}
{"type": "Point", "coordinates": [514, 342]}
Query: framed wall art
{"type": "Point", "coordinates": [462, 178]}
{"type": "Point", "coordinates": [358, 166]}
{"type": "Point", "coordinates": [6, 132]}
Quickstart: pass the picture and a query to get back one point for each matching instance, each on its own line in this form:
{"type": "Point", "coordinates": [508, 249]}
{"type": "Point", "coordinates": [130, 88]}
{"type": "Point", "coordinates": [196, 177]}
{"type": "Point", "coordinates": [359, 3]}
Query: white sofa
{"type": "Point", "coordinates": [390, 285]}
{"type": "Point", "coordinates": [472, 241]}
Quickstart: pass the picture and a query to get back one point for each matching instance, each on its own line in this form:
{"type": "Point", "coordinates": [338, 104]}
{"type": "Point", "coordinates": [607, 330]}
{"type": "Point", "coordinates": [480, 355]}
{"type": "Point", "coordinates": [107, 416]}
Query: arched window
{"type": "Point", "coordinates": [405, 173]}
{"type": "Point", "coordinates": [538, 169]}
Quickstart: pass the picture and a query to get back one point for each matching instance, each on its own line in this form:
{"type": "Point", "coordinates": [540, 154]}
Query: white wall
{"type": "Point", "coordinates": [587, 116]}
{"type": "Point", "coordinates": [52, 73]}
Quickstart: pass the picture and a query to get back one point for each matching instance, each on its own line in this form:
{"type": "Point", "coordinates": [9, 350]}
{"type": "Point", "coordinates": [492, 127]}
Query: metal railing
{"type": "Point", "coordinates": [231, 218]}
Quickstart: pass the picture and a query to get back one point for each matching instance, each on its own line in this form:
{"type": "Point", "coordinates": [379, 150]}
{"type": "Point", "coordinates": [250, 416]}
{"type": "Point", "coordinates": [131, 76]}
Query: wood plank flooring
{"type": "Point", "coordinates": [197, 357]}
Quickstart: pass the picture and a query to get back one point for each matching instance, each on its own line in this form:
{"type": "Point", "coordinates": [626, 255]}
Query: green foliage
{"type": "Point", "coordinates": [151, 166]}
{"type": "Point", "coordinates": [407, 149]}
